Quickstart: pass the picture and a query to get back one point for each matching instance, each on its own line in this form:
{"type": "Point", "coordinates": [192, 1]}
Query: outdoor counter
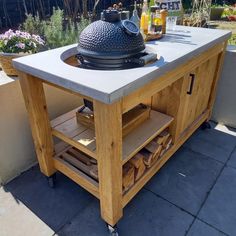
{"type": "Point", "coordinates": [174, 49]}
{"type": "Point", "coordinates": [176, 94]}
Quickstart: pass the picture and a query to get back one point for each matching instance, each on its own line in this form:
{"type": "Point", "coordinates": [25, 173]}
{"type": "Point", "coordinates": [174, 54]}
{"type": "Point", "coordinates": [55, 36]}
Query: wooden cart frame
{"type": "Point", "coordinates": [168, 94]}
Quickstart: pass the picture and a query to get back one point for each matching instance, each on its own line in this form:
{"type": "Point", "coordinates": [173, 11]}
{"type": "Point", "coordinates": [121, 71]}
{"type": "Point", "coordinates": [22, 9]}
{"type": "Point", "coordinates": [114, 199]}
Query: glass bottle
{"type": "Point", "coordinates": [157, 21]}
{"type": "Point", "coordinates": [144, 18]}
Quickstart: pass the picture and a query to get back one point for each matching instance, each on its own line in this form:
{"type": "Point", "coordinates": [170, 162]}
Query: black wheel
{"type": "Point", "coordinates": [112, 230]}
{"type": "Point", "coordinates": [51, 181]}
{"type": "Point", "coordinates": [206, 125]}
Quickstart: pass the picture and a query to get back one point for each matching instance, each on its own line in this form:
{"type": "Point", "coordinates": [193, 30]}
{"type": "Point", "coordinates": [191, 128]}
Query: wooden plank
{"type": "Point", "coordinates": [70, 91]}
{"type": "Point", "coordinates": [75, 143]}
{"type": "Point", "coordinates": [78, 176]}
{"type": "Point", "coordinates": [108, 126]}
{"type": "Point", "coordinates": [63, 118]}
{"type": "Point", "coordinates": [167, 79]}
{"type": "Point", "coordinates": [143, 134]}
{"type": "Point", "coordinates": [87, 139]}
{"type": "Point", "coordinates": [84, 139]}
{"type": "Point", "coordinates": [157, 165]}
{"type": "Point", "coordinates": [171, 102]}
{"type": "Point", "coordinates": [70, 128]}
{"type": "Point", "coordinates": [33, 93]}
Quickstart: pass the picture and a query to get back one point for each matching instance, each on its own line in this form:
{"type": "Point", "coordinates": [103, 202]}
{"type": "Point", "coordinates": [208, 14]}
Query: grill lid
{"type": "Point", "coordinates": [110, 38]}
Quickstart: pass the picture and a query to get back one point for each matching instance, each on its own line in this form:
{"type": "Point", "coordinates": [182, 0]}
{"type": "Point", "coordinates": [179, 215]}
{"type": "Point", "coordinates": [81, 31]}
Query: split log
{"type": "Point", "coordinates": [139, 166]}
{"type": "Point", "coordinates": [128, 176]}
{"type": "Point", "coordinates": [91, 170]}
{"type": "Point", "coordinates": [168, 142]}
{"type": "Point", "coordinates": [154, 148]}
{"type": "Point", "coordinates": [148, 157]}
{"type": "Point", "coordinates": [162, 137]}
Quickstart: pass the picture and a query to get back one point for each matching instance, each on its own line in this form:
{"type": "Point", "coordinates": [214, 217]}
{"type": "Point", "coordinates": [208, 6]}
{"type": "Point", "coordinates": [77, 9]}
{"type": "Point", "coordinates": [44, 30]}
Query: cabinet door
{"type": "Point", "coordinates": [197, 88]}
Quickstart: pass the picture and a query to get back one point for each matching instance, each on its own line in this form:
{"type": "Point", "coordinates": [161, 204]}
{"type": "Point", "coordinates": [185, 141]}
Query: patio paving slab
{"type": "Point", "coordinates": [212, 143]}
{"type": "Point", "coordinates": [219, 135]}
{"type": "Point", "coordinates": [53, 206]}
{"type": "Point", "coordinates": [16, 219]}
{"type": "Point", "coordinates": [145, 215]}
{"type": "Point", "coordinates": [204, 147]}
{"type": "Point", "coordinates": [199, 228]}
{"type": "Point", "coordinates": [232, 160]}
{"type": "Point", "coordinates": [186, 179]}
{"type": "Point", "coordinates": [220, 207]}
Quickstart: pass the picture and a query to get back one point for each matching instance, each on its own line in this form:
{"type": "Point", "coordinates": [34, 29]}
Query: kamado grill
{"type": "Point", "coordinates": [112, 44]}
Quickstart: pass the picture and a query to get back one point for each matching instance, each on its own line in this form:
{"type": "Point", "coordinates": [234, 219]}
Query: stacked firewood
{"type": "Point", "coordinates": [134, 169]}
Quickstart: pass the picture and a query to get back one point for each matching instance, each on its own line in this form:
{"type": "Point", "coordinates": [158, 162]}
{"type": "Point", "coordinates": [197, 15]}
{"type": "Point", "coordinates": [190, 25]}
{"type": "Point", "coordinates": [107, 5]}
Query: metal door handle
{"type": "Point", "coordinates": [192, 76]}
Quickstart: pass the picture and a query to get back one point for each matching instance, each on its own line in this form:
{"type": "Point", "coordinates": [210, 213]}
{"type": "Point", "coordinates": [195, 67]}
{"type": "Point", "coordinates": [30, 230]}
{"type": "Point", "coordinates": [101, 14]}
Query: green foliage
{"type": "Point", "coordinates": [232, 40]}
{"type": "Point", "coordinates": [229, 11]}
{"type": "Point", "coordinates": [56, 31]}
{"type": "Point", "coordinates": [34, 25]}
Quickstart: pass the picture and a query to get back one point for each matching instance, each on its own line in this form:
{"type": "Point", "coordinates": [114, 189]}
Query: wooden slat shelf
{"type": "Point", "coordinates": [67, 129]}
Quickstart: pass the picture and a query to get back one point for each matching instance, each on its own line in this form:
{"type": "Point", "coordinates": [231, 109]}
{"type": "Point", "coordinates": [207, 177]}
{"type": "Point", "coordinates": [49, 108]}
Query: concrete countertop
{"type": "Point", "coordinates": [174, 49]}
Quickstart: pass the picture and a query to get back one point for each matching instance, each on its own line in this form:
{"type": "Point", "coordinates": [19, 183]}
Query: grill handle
{"type": "Point", "coordinates": [142, 61]}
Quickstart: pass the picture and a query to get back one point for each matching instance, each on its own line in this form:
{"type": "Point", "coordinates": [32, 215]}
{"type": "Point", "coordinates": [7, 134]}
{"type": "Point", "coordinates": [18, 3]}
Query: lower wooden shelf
{"type": "Point", "coordinates": [70, 131]}
{"type": "Point", "coordinates": [66, 161]}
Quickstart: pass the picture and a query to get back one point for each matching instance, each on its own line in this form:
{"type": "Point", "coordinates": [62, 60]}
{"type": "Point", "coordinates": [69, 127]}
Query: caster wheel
{"type": "Point", "coordinates": [112, 230]}
{"type": "Point", "coordinates": [206, 125]}
{"type": "Point", "coordinates": [51, 181]}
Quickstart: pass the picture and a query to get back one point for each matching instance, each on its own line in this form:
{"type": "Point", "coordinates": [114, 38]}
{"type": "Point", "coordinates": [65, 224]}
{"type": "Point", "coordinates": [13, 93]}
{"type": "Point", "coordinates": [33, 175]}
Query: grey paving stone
{"type": "Point", "coordinates": [186, 179]}
{"type": "Point", "coordinates": [209, 148]}
{"type": "Point", "coordinates": [220, 207]}
{"type": "Point", "coordinates": [217, 137]}
{"type": "Point", "coordinates": [145, 215]}
{"type": "Point", "coordinates": [232, 160]}
{"type": "Point", "coordinates": [53, 206]}
{"type": "Point", "coordinates": [201, 229]}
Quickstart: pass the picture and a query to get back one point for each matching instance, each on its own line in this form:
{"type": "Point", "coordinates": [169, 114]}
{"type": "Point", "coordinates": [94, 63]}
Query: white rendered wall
{"type": "Point", "coordinates": [16, 145]}
{"type": "Point", "coordinates": [225, 105]}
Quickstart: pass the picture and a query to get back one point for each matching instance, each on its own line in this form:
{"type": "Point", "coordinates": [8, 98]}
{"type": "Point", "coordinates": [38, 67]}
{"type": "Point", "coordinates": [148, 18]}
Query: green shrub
{"type": "Point", "coordinates": [56, 31]}
{"type": "Point", "coordinates": [33, 25]}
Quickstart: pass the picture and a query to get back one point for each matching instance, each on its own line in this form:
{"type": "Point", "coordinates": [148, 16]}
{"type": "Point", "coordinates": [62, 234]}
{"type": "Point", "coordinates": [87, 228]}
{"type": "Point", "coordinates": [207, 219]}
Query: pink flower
{"type": "Point", "coordinates": [20, 45]}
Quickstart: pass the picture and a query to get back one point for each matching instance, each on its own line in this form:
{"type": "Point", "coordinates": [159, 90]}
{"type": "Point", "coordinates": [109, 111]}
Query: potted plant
{"type": "Point", "coordinates": [15, 44]}
{"type": "Point", "coordinates": [216, 12]}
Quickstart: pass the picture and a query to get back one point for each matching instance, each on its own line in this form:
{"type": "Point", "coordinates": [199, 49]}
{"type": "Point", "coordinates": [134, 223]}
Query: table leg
{"type": "Point", "coordinates": [108, 127]}
{"type": "Point", "coordinates": [32, 89]}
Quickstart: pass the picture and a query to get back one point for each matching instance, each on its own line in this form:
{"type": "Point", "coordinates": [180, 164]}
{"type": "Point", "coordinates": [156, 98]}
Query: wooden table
{"type": "Point", "coordinates": [181, 98]}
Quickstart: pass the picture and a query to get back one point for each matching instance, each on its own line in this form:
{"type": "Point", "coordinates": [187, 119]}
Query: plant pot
{"type": "Point", "coordinates": [216, 13]}
{"type": "Point", "coordinates": [6, 62]}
